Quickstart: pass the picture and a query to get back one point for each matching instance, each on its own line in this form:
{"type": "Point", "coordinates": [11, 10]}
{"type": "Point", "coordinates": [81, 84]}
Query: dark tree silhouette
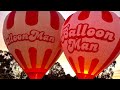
{"type": "Point", "coordinates": [56, 72]}
{"type": "Point", "coordinates": [68, 76]}
{"type": "Point", "coordinates": [5, 65]}
{"type": "Point", "coordinates": [9, 68]}
{"type": "Point", "coordinates": [23, 75]}
{"type": "Point", "coordinates": [108, 72]}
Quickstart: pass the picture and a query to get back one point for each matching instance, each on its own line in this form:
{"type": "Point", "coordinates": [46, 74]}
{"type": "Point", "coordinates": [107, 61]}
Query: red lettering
{"type": "Point", "coordinates": [31, 36]}
{"type": "Point", "coordinates": [75, 36]}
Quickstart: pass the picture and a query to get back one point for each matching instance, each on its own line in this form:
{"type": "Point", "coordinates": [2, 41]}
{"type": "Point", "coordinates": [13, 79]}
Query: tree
{"type": "Point", "coordinates": [23, 75]}
{"type": "Point", "coordinates": [68, 76]}
{"type": "Point", "coordinates": [9, 68]}
{"type": "Point", "coordinates": [5, 69]}
{"type": "Point", "coordinates": [56, 72]}
{"type": "Point", "coordinates": [108, 72]}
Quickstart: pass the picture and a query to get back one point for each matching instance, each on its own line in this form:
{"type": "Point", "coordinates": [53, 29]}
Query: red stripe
{"type": "Point", "coordinates": [10, 21]}
{"type": "Point", "coordinates": [83, 15]}
{"type": "Point", "coordinates": [47, 55]}
{"type": "Point", "coordinates": [114, 53]}
{"type": "Point", "coordinates": [81, 63]}
{"type": "Point", "coordinates": [56, 57]}
{"type": "Point", "coordinates": [68, 19]}
{"type": "Point", "coordinates": [31, 18]}
{"type": "Point", "coordinates": [72, 64]}
{"type": "Point", "coordinates": [20, 57]}
{"type": "Point", "coordinates": [31, 70]}
{"type": "Point", "coordinates": [33, 55]}
{"type": "Point", "coordinates": [54, 22]}
{"type": "Point", "coordinates": [35, 73]}
{"type": "Point", "coordinates": [93, 65]}
{"type": "Point", "coordinates": [106, 16]}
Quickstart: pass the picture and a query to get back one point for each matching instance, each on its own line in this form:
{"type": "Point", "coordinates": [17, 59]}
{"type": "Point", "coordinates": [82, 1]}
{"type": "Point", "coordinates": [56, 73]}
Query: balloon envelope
{"type": "Point", "coordinates": [91, 41]}
{"type": "Point", "coordinates": [33, 38]}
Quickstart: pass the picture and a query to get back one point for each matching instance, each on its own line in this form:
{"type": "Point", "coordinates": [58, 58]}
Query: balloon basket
{"type": "Point", "coordinates": [84, 76]}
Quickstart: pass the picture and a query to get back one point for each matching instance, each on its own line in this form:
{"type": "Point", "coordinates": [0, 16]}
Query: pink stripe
{"type": "Point", "coordinates": [10, 21]}
{"type": "Point", "coordinates": [114, 53]}
{"type": "Point", "coordinates": [72, 64]}
{"type": "Point", "coordinates": [33, 55]}
{"type": "Point", "coordinates": [47, 55]}
{"type": "Point", "coordinates": [20, 57]}
{"type": "Point", "coordinates": [54, 20]}
{"type": "Point", "coordinates": [56, 57]}
{"type": "Point", "coordinates": [31, 18]}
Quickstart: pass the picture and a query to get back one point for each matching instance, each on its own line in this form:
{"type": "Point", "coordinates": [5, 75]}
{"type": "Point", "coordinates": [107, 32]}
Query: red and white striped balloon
{"type": "Point", "coordinates": [33, 38]}
{"type": "Point", "coordinates": [91, 41]}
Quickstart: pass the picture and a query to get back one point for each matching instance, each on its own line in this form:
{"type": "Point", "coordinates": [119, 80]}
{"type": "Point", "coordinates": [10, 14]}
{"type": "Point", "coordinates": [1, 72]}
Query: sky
{"type": "Point", "coordinates": [62, 59]}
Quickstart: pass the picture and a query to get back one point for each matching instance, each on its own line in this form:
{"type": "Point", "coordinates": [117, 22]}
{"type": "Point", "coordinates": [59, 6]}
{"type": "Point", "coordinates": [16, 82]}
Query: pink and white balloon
{"type": "Point", "coordinates": [33, 38]}
{"type": "Point", "coordinates": [91, 41]}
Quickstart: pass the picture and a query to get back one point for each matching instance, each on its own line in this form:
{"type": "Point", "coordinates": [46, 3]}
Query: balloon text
{"type": "Point", "coordinates": [75, 37]}
{"type": "Point", "coordinates": [32, 36]}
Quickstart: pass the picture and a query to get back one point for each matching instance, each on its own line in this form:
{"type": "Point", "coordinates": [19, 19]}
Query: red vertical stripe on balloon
{"type": "Point", "coordinates": [72, 64]}
{"type": "Point", "coordinates": [56, 57]}
{"type": "Point", "coordinates": [10, 21]}
{"type": "Point", "coordinates": [33, 55]}
{"type": "Point", "coordinates": [54, 22]}
{"type": "Point", "coordinates": [81, 63]}
{"type": "Point", "coordinates": [114, 53]}
{"type": "Point", "coordinates": [47, 55]}
{"type": "Point", "coordinates": [20, 57]}
{"type": "Point", "coordinates": [83, 15]}
{"type": "Point", "coordinates": [68, 19]}
{"type": "Point", "coordinates": [31, 18]}
{"type": "Point", "coordinates": [93, 65]}
{"type": "Point", "coordinates": [106, 16]}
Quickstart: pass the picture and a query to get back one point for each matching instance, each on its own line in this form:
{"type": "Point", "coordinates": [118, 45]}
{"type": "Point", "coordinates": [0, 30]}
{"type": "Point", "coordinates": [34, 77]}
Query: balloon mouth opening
{"type": "Point", "coordinates": [35, 73]}
{"type": "Point", "coordinates": [84, 76]}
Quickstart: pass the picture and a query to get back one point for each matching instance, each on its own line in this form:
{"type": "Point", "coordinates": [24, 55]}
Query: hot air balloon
{"type": "Point", "coordinates": [33, 38]}
{"type": "Point", "coordinates": [91, 41]}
